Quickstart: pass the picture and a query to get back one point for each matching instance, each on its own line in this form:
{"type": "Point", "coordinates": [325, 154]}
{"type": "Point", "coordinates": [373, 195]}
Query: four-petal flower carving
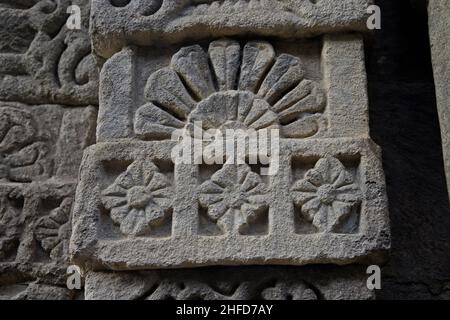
{"type": "Point", "coordinates": [327, 194]}
{"type": "Point", "coordinates": [234, 197]}
{"type": "Point", "coordinates": [139, 199]}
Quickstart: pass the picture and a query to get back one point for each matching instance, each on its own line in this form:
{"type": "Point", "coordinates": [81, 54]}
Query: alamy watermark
{"type": "Point", "coordinates": [74, 278]}
{"type": "Point", "coordinates": [374, 21]}
{"type": "Point", "coordinates": [229, 146]}
{"type": "Point", "coordinates": [74, 20]}
{"type": "Point", "coordinates": [374, 279]}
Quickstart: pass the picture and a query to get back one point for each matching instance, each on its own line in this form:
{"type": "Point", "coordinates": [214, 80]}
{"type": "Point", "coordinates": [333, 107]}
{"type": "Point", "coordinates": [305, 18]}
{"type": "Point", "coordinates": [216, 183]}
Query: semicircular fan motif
{"type": "Point", "coordinates": [230, 87]}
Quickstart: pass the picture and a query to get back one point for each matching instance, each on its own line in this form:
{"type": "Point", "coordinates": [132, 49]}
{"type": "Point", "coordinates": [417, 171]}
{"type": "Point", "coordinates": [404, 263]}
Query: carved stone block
{"type": "Point", "coordinates": [320, 197]}
{"type": "Point", "coordinates": [35, 141]}
{"type": "Point", "coordinates": [313, 88]}
{"type": "Point", "coordinates": [135, 209]}
{"type": "Point", "coordinates": [245, 283]}
{"type": "Point", "coordinates": [117, 23]}
{"type": "Point", "coordinates": [324, 201]}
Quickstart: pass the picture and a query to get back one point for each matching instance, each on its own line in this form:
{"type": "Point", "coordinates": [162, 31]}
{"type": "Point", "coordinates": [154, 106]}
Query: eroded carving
{"type": "Point", "coordinates": [23, 156]}
{"type": "Point", "coordinates": [242, 283]}
{"type": "Point", "coordinates": [140, 198]}
{"type": "Point", "coordinates": [41, 60]}
{"type": "Point", "coordinates": [53, 231]}
{"type": "Point", "coordinates": [11, 225]}
{"type": "Point", "coordinates": [327, 195]}
{"type": "Point", "coordinates": [234, 197]}
{"type": "Point", "coordinates": [174, 21]}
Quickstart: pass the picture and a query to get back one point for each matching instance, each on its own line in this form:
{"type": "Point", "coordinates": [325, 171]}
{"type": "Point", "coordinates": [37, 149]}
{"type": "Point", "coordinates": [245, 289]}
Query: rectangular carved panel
{"type": "Point", "coordinates": [244, 283]}
{"type": "Point", "coordinates": [135, 209]}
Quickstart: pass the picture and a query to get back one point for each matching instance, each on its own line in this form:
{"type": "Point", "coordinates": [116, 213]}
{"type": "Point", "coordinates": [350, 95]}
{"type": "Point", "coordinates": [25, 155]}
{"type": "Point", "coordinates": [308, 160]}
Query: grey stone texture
{"type": "Point", "coordinates": [439, 22]}
{"type": "Point", "coordinates": [136, 208]}
{"type": "Point", "coordinates": [144, 22]}
{"type": "Point", "coordinates": [245, 283]}
{"type": "Point", "coordinates": [48, 97]}
{"type": "Point", "coordinates": [298, 68]}
{"type": "Point", "coordinates": [41, 60]}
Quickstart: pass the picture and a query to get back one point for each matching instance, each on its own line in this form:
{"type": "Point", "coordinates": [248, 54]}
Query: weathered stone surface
{"type": "Point", "coordinates": [135, 209]}
{"type": "Point", "coordinates": [245, 283]}
{"type": "Point", "coordinates": [306, 89]}
{"type": "Point", "coordinates": [35, 291]}
{"type": "Point", "coordinates": [35, 141]}
{"type": "Point", "coordinates": [439, 22]}
{"type": "Point", "coordinates": [41, 60]}
{"type": "Point", "coordinates": [143, 22]}
{"type": "Point", "coordinates": [40, 153]}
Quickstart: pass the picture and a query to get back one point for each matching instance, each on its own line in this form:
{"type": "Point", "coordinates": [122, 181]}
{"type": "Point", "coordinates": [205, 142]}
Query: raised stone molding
{"type": "Point", "coordinates": [439, 22]}
{"type": "Point", "coordinates": [41, 60]}
{"type": "Point", "coordinates": [117, 23]}
{"type": "Point", "coordinates": [245, 283]}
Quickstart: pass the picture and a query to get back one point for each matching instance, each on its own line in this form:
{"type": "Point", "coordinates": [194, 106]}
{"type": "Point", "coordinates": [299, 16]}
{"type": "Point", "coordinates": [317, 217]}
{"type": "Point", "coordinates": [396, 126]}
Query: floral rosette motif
{"type": "Point", "coordinates": [234, 196]}
{"type": "Point", "coordinates": [139, 199]}
{"type": "Point", "coordinates": [327, 194]}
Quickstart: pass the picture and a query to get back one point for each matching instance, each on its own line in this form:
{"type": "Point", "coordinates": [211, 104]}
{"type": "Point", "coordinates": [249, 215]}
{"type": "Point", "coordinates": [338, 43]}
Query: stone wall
{"type": "Point", "coordinates": [128, 214]}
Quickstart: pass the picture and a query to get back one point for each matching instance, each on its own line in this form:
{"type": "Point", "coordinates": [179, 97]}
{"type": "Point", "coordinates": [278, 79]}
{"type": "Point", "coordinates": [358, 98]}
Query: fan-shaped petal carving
{"type": "Point", "coordinates": [304, 127]}
{"type": "Point", "coordinates": [154, 123]}
{"type": "Point", "coordinates": [199, 86]}
{"type": "Point", "coordinates": [165, 88]}
{"type": "Point", "coordinates": [192, 64]}
{"type": "Point", "coordinates": [225, 57]}
{"type": "Point", "coordinates": [234, 110]}
{"type": "Point", "coordinates": [257, 59]}
{"type": "Point", "coordinates": [306, 97]}
{"type": "Point", "coordinates": [286, 73]}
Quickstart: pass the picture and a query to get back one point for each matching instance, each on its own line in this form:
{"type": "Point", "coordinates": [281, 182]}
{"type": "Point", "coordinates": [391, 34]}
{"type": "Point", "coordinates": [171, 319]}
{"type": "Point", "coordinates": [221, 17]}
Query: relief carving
{"type": "Point", "coordinates": [327, 195]}
{"type": "Point", "coordinates": [252, 88]}
{"type": "Point", "coordinates": [234, 197]}
{"type": "Point", "coordinates": [53, 231]}
{"type": "Point", "coordinates": [23, 156]}
{"type": "Point", "coordinates": [140, 198]}
{"type": "Point", "coordinates": [41, 60]}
